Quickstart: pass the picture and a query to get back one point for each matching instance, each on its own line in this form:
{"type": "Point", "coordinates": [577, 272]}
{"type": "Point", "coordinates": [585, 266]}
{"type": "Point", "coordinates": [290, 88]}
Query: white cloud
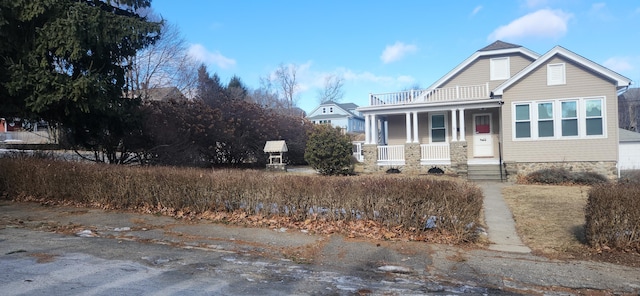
{"type": "Point", "coordinates": [544, 23]}
{"type": "Point", "coordinates": [397, 51]}
{"type": "Point", "coordinates": [200, 53]}
{"type": "Point", "coordinates": [600, 11]}
{"type": "Point", "coordinates": [619, 64]}
{"type": "Point", "coordinates": [476, 10]}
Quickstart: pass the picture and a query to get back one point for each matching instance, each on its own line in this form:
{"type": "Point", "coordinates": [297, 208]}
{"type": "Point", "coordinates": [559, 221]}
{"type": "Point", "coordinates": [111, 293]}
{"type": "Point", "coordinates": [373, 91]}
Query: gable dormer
{"type": "Point", "coordinates": [492, 64]}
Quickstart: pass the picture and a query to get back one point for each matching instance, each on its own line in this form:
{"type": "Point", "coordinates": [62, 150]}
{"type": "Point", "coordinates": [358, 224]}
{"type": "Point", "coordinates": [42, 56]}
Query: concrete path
{"type": "Point", "coordinates": [499, 220]}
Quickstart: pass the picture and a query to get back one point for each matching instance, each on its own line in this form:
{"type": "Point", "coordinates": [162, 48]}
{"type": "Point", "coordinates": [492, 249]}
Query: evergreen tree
{"type": "Point", "coordinates": [329, 151]}
{"type": "Point", "coordinates": [65, 61]}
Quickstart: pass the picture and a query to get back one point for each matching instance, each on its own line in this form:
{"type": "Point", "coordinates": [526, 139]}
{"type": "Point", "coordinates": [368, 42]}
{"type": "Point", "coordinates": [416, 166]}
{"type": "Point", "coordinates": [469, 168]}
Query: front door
{"type": "Point", "coordinates": [482, 138]}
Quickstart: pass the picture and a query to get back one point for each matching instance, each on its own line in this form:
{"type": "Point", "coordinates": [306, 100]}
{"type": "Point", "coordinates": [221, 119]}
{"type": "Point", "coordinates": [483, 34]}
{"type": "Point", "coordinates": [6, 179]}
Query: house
{"type": "Point", "coordinates": [162, 94]}
{"type": "Point", "coordinates": [629, 109]}
{"type": "Point", "coordinates": [343, 116]}
{"type": "Point", "coordinates": [503, 111]}
{"type": "Point", "coordinates": [20, 131]}
{"type": "Point", "coordinates": [629, 150]}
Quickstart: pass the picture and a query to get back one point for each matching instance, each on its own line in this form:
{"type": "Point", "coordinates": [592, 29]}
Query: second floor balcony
{"type": "Point", "coordinates": [446, 94]}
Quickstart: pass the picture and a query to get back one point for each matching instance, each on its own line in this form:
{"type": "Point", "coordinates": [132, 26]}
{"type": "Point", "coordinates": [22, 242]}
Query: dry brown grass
{"type": "Point", "coordinates": [549, 219]}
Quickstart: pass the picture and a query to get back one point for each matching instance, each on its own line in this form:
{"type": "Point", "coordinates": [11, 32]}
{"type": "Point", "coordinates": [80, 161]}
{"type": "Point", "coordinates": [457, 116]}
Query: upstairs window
{"type": "Point", "coordinates": [499, 68]}
{"type": "Point", "coordinates": [556, 74]}
{"type": "Point", "coordinates": [324, 110]}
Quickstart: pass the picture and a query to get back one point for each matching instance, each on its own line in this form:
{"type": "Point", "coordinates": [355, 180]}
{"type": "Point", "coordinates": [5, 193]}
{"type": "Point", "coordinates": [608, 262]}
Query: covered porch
{"type": "Point", "coordinates": [425, 131]}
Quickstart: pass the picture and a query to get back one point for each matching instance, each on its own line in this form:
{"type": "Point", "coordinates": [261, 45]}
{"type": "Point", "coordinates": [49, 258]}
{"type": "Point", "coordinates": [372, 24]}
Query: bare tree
{"type": "Point", "coordinates": [165, 64]}
{"type": "Point", "coordinates": [285, 77]}
{"type": "Point", "coordinates": [332, 90]}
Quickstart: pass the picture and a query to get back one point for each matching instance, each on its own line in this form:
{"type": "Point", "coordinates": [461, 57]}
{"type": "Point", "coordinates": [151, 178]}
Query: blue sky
{"type": "Point", "coordinates": [386, 46]}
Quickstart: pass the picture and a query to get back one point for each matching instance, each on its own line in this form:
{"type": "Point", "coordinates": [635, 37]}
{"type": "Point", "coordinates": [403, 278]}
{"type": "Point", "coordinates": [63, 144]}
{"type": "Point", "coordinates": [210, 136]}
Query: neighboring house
{"type": "Point", "coordinates": [629, 150]}
{"type": "Point", "coordinates": [18, 131]}
{"type": "Point", "coordinates": [160, 94]}
{"type": "Point", "coordinates": [503, 111]}
{"type": "Point", "coordinates": [343, 116]}
{"type": "Point", "coordinates": [629, 109]}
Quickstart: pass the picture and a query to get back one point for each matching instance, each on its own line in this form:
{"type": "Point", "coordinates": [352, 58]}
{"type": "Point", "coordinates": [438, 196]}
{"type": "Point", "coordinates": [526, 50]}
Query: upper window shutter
{"type": "Point", "coordinates": [555, 74]}
{"type": "Point", "coordinates": [499, 68]}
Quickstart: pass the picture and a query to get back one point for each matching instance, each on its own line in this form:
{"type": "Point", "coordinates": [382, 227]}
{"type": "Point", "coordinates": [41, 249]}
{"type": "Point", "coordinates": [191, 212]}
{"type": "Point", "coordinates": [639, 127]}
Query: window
{"type": "Point", "coordinates": [324, 110]}
{"type": "Point", "coordinates": [545, 119]}
{"type": "Point", "coordinates": [569, 118]}
{"type": "Point", "coordinates": [330, 109]}
{"type": "Point", "coordinates": [523, 121]}
{"type": "Point", "coordinates": [499, 68]}
{"type": "Point", "coordinates": [560, 118]}
{"type": "Point", "coordinates": [594, 120]}
{"type": "Point", "coordinates": [555, 74]}
{"type": "Point", "coordinates": [438, 128]}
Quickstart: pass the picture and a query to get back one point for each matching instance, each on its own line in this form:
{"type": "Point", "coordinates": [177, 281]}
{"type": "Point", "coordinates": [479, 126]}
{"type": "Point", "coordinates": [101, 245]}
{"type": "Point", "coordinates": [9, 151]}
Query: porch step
{"type": "Point", "coordinates": [483, 172]}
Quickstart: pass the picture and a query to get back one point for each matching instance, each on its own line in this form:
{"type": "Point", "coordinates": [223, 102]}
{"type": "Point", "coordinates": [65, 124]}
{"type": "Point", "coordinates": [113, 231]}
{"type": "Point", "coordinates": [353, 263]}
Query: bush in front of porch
{"type": "Point", "coordinates": [329, 151]}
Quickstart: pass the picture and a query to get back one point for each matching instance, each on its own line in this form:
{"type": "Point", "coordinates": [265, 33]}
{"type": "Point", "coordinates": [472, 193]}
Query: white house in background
{"type": "Point", "coordinates": [629, 150]}
{"type": "Point", "coordinates": [339, 115]}
{"type": "Point", "coordinates": [502, 112]}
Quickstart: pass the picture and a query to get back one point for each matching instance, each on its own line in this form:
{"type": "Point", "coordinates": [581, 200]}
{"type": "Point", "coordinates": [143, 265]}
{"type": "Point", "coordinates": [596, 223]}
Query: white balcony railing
{"type": "Point", "coordinates": [391, 155]}
{"type": "Point", "coordinates": [435, 153]}
{"type": "Point", "coordinates": [469, 92]}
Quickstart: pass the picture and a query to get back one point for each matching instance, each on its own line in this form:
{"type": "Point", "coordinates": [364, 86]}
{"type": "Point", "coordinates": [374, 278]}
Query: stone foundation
{"type": "Point", "coordinates": [515, 170]}
{"type": "Point", "coordinates": [370, 154]}
{"type": "Point", "coordinates": [411, 158]}
{"type": "Point", "coordinates": [458, 154]}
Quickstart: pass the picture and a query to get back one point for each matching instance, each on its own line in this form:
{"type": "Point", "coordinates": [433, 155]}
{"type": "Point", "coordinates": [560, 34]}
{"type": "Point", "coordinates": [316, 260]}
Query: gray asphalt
{"type": "Point", "coordinates": [74, 251]}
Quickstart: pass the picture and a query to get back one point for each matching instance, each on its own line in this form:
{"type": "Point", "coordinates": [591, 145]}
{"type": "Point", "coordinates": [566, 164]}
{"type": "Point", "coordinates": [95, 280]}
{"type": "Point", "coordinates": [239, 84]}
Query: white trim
{"type": "Point", "coordinates": [620, 80]}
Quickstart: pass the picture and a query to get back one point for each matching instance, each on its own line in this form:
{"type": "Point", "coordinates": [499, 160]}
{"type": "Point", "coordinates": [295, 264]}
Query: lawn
{"type": "Point", "coordinates": [549, 219]}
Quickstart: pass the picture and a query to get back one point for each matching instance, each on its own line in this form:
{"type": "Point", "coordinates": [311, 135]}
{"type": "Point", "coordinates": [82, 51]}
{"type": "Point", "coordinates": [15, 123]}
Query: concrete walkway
{"type": "Point", "coordinates": [499, 220]}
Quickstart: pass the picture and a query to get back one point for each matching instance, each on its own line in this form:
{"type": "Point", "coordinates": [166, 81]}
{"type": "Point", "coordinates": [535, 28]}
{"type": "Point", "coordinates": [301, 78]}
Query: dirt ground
{"type": "Point", "coordinates": [551, 219]}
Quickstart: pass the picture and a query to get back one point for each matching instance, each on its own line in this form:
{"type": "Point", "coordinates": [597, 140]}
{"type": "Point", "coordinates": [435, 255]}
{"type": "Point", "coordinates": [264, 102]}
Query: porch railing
{"type": "Point", "coordinates": [435, 153]}
{"type": "Point", "coordinates": [391, 155]}
{"type": "Point", "coordinates": [468, 92]}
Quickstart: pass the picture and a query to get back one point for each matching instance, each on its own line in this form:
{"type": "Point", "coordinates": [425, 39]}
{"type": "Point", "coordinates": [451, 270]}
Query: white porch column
{"type": "Point", "coordinates": [462, 132]}
{"type": "Point", "coordinates": [415, 127]}
{"type": "Point", "coordinates": [408, 125]}
{"type": "Point", "coordinates": [386, 132]}
{"type": "Point", "coordinates": [374, 128]}
{"type": "Point", "coordinates": [367, 130]}
{"type": "Point", "coordinates": [454, 126]}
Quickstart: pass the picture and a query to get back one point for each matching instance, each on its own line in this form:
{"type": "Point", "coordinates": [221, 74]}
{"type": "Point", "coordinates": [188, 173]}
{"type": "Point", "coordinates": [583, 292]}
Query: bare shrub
{"type": "Point", "coordinates": [613, 216]}
{"type": "Point", "coordinates": [395, 202]}
{"type": "Point", "coordinates": [563, 176]}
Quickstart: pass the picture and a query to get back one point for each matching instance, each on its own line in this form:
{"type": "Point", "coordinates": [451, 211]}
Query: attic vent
{"type": "Point", "coordinates": [555, 74]}
{"type": "Point", "coordinates": [499, 68]}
